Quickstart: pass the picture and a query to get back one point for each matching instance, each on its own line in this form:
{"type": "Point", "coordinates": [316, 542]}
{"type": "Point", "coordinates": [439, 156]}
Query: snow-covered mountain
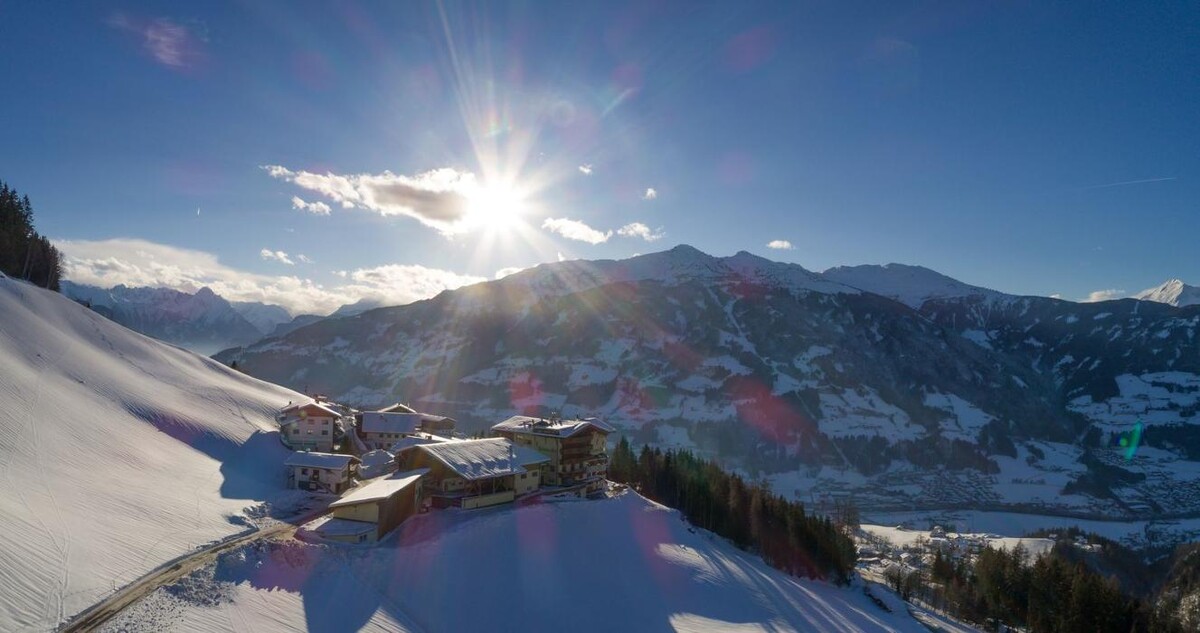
{"type": "Point", "coordinates": [620, 564]}
{"type": "Point", "coordinates": [263, 316]}
{"type": "Point", "coordinates": [202, 321]}
{"type": "Point", "coordinates": [975, 398]}
{"type": "Point", "coordinates": [682, 264]}
{"type": "Point", "coordinates": [910, 285]}
{"type": "Point", "coordinates": [1172, 292]}
{"type": "Point", "coordinates": [119, 453]}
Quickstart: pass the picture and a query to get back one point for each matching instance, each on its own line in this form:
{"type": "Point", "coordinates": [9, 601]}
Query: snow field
{"type": "Point", "coordinates": [620, 564]}
{"type": "Point", "coordinates": [118, 453]}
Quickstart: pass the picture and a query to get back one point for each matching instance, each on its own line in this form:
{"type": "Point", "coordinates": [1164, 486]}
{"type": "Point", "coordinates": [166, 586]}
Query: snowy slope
{"type": "Point", "coordinates": [1173, 292]}
{"type": "Point", "coordinates": [620, 564]}
{"type": "Point", "coordinates": [118, 453]}
{"type": "Point", "coordinates": [910, 285]}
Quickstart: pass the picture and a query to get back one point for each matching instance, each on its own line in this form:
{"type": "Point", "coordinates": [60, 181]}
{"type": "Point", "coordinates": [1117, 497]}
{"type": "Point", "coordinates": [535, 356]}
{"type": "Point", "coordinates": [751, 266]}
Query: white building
{"type": "Point", "coordinates": [321, 472]}
{"type": "Point", "coordinates": [308, 425]}
{"type": "Point", "coordinates": [577, 448]}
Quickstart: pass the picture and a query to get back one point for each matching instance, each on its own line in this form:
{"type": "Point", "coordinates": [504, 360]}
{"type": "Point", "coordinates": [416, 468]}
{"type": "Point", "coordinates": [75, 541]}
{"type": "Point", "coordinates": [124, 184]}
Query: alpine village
{"type": "Point", "coordinates": [385, 466]}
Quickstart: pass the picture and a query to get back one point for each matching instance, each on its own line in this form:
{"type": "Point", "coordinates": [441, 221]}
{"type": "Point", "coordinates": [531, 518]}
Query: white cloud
{"type": "Point", "coordinates": [1056, 295]}
{"type": "Point", "coordinates": [304, 259]}
{"type": "Point", "coordinates": [437, 198]}
{"type": "Point", "coordinates": [278, 256]}
{"type": "Point", "coordinates": [396, 284]}
{"type": "Point", "coordinates": [650, 194]}
{"type": "Point", "coordinates": [561, 257]}
{"type": "Point", "coordinates": [135, 262]}
{"type": "Point", "coordinates": [586, 169]}
{"type": "Point", "coordinates": [1104, 295]}
{"type": "Point", "coordinates": [315, 208]}
{"type": "Point", "coordinates": [504, 272]}
{"type": "Point", "coordinates": [637, 229]}
{"type": "Point", "coordinates": [782, 245]}
{"type": "Point", "coordinates": [168, 43]}
{"type": "Point", "coordinates": [576, 230]}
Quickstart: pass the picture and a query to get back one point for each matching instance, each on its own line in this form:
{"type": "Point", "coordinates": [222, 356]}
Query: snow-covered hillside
{"type": "Point", "coordinates": [620, 564]}
{"type": "Point", "coordinates": [119, 453]}
{"type": "Point", "coordinates": [910, 285]}
{"type": "Point", "coordinates": [1173, 292]}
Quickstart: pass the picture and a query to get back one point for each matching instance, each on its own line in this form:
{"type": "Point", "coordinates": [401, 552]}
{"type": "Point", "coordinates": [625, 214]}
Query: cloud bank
{"type": "Point", "coordinates": [782, 245]}
{"type": "Point", "coordinates": [135, 262]}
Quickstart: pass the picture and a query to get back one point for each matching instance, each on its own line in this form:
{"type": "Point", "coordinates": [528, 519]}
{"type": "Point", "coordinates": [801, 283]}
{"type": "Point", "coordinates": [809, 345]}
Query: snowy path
{"type": "Point", "coordinates": [172, 571]}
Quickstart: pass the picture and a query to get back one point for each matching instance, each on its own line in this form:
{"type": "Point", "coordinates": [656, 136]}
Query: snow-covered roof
{"type": "Point", "coordinates": [319, 460]}
{"type": "Point", "coordinates": [539, 426]}
{"type": "Point", "coordinates": [310, 406]}
{"type": "Point", "coordinates": [376, 422]}
{"type": "Point", "coordinates": [479, 459]}
{"type": "Point", "coordinates": [417, 440]}
{"type": "Point", "coordinates": [381, 489]}
{"type": "Point", "coordinates": [377, 457]}
{"type": "Point", "coordinates": [333, 526]}
{"type": "Point", "coordinates": [398, 408]}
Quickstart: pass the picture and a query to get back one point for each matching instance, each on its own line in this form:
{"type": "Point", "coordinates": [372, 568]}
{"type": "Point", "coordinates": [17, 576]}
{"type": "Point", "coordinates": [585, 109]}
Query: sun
{"type": "Point", "coordinates": [496, 206]}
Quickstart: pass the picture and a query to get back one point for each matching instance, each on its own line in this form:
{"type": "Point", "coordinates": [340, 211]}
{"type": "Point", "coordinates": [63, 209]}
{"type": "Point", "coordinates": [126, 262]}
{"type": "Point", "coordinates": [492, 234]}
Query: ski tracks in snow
{"type": "Point", "coordinates": [55, 609]}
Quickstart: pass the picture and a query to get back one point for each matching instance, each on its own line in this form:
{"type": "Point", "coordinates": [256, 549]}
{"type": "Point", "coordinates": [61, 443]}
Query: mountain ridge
{"type": "Point", "coordinates": [776, 370]}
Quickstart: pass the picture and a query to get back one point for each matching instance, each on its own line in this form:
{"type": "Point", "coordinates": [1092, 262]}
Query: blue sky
{"type": "Point", "coordinates": [1029, 147]}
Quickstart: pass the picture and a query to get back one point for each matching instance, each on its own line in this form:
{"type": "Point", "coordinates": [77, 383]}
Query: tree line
{"type": "Point", "coordinates": [1049, 593]}
{"type": "Point", "coordinates": [24, 253]}
{"type": "Point", "coordinates": [749, 515]}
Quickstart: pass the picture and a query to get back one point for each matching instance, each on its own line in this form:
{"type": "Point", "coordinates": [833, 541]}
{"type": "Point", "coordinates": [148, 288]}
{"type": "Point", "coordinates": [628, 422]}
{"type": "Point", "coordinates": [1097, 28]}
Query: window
{"type": "Point", "coordinates": [324, 431]}
{"type": "Point", "coordinates": [295, 431]}
{"type": "Point", "coordinates": [303, 471]}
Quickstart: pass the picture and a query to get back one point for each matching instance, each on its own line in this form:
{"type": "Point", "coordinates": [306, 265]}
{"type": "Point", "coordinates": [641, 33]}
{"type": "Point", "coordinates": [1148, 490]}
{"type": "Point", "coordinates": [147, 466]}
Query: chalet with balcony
{"type": "Point", "coordinates": [578, 449]}
{"type": "Point", "coordinates": [475, 473]}
{"type": "Point", "coordinates": [309, 425]}
{"type": "Point", "coordinates": [321, 472]}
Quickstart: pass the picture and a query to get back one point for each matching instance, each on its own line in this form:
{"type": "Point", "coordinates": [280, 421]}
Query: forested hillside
{"type": "Point", "coordinates": [24, 253]}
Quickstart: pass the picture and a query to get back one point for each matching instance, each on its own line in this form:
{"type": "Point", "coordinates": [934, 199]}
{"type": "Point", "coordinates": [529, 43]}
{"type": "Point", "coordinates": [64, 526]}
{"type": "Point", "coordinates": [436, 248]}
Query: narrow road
{"type": "Point", "coordinates": [101, 612]}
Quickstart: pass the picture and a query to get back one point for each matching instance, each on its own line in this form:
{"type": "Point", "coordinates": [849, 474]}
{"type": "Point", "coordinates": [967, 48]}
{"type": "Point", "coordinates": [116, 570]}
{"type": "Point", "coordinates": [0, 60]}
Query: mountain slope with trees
{"type": "Point", "coordinates": [25, 253]}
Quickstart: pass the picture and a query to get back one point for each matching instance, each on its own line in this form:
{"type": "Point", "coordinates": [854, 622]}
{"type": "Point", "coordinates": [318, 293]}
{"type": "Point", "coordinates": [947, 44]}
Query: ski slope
{"type": "Point", "coordinates": [118, 453]}
{"type": "Point", "coordinates": [618, 564]}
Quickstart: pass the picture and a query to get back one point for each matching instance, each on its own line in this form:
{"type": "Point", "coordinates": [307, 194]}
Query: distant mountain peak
{"type": "Point", "coordinates": [906, 283]}
{"type": "Point", "coordinates": [1172, 292]}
